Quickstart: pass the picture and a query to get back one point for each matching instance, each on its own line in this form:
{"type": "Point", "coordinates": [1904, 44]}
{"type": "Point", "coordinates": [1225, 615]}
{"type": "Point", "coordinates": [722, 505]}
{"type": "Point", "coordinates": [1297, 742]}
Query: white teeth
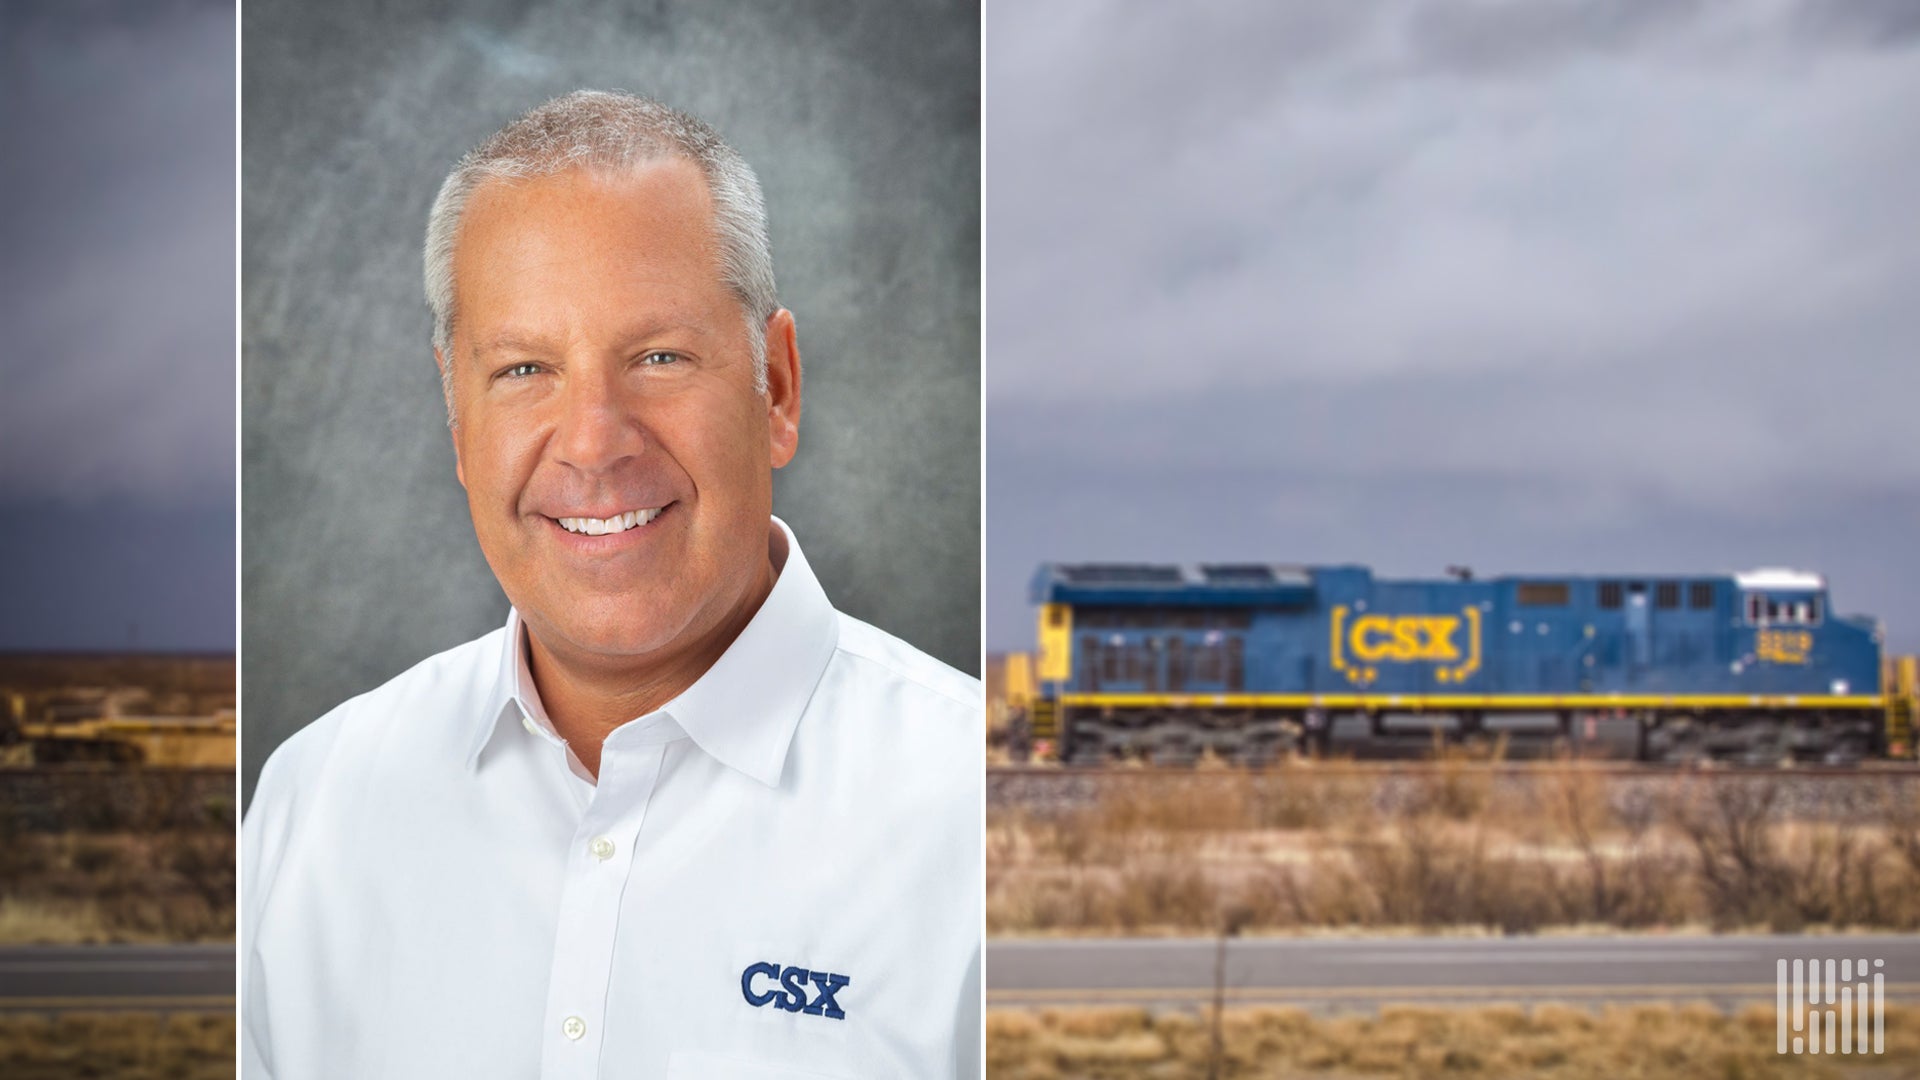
{"type": "Point", "coordinates": [616, 524]}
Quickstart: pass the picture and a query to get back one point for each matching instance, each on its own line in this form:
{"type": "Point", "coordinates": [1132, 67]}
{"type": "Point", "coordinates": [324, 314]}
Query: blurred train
{"type": "Point", "coordinates": [1248, 662]}
{"type": "Point", "coordinates": [102, 726]}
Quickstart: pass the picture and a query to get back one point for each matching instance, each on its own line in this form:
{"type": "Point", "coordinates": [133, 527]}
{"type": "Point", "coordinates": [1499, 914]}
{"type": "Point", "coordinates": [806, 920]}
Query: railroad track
{"type": "Point", "coordinates": [1858, 793]}
{"type": "Point", "coordinates": [91, 797]}
{"type": "Point", "coordinates": [1902, 770]}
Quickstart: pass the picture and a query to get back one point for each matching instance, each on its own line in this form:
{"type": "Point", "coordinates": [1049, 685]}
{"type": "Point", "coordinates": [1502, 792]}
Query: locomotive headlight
{"type": "Point", "coordinates": [1840, 686]}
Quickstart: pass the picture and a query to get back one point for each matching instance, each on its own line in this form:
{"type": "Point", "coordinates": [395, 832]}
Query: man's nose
{"type": "Point", "coordinates": [598, 427]}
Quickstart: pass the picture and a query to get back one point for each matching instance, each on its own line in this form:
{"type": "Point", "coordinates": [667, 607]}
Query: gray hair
{"type": "Point", "coordinates": [598, 129]}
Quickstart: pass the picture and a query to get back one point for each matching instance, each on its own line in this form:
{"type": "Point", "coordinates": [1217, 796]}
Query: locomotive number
{"type": "Point", "coordinates": [1783, 646]}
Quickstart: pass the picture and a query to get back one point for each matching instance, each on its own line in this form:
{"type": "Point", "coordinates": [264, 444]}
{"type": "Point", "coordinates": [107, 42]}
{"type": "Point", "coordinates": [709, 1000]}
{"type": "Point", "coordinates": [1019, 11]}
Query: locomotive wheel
{"type": "Point", "coordinates": [1173, 746]}
{"type": "Point", "coordinates": [1847, 749]}
{"type": "Point", "coordinates": [1082, 745]}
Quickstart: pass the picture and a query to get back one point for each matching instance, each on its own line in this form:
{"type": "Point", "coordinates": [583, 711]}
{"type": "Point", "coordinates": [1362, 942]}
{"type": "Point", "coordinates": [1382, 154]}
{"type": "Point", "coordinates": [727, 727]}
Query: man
{"type": "Point", "coordinates": [679, 817]}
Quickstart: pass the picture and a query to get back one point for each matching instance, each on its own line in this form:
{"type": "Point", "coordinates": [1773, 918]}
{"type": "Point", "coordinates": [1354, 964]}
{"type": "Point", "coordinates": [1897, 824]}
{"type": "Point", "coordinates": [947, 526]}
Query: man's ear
{"type": "Point", "coordinates": [783, 387]}
{"type": "Point", "coordinates": [446, 391]}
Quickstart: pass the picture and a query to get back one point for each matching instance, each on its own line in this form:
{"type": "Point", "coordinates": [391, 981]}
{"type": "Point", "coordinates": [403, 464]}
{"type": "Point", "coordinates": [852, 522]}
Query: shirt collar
{"type": "Point", "coordinates": [744, 709]}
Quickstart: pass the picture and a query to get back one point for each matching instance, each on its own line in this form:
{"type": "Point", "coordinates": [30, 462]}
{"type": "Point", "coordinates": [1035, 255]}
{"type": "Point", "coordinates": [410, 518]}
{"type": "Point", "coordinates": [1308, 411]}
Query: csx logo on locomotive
{"type": "Point", "coordinates": [1405, 637]}
{"type": "Point", "coordinates": [1452, 642]}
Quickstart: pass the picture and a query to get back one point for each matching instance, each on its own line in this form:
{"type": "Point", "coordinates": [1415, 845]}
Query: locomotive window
{"type": "Point", "coordinates": [1056, 615]}
{"type": "Point", "coordinates": [1209, 663]}
{"type": "Point", "coordinates": [1762, 611]}
{"type": "Point", "coordinates": [1794, 612]}
{"type": "Point", "coordinates": [1666, 595]}
{"type": "Point", "coordinates": [1610, 594]}
{"type": "Point", "coordinates": [1543, 594]}
{"type": "Point", "coordinates": [1700, 595]}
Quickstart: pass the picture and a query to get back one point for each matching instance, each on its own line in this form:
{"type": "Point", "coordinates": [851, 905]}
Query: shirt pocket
{"type": "Point", "coordinates": [696, 1065]}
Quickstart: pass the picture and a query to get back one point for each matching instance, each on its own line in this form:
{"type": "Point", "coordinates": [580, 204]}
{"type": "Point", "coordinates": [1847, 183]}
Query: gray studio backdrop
{"type": "Point", "coordinates": [863, 123]}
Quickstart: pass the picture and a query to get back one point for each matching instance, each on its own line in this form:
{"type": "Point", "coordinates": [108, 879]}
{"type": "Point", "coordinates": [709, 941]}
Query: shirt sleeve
{"type": "Point", "coordinates": [255, 1042]}
{"type": "Point", "coordinates": [968, 1032]}
{"type": "Point", "coordinates": [265, 833]}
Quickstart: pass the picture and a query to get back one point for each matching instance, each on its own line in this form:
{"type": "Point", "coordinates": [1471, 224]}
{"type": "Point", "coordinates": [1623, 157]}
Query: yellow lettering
{"type": "Point", "coordinates": [1440, 644]}
{"type": "Point", "coordinates": [1364, 645]}
{"type": "Point", "coordinates": [1405, 637]}
{"type": "Point", "coordinates": [1783, 646]}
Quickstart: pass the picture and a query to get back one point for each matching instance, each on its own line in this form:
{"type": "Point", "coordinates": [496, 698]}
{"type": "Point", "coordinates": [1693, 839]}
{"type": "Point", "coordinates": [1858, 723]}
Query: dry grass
{"type": "Point", "coordinates": [1451, 851]}
{"type": "Point", "coordinates": [84, 888]}
{"type": "Point", "coordinates": [179, 684]}
{"type": "Point", "coordinates": [1649, 1042]}
{"type": "Point", "coordinates": [128, 1046]}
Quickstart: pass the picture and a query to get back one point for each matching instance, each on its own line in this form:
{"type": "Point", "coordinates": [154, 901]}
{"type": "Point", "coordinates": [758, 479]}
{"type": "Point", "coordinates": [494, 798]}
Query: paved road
{"type": "Point", "coordinates": [162, 978]}
{"type": "Point", "coordinates": [1326, 974]}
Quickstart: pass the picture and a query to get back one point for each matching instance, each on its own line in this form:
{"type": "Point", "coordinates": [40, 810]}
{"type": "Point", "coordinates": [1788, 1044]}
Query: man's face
{"type": "Point", "coordinates": [616, 454]}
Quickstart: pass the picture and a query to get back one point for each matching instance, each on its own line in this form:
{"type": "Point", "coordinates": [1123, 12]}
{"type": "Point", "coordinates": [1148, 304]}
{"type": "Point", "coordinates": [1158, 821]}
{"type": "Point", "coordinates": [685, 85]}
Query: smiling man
{"type": "Point", "coordinates": [679, 817]}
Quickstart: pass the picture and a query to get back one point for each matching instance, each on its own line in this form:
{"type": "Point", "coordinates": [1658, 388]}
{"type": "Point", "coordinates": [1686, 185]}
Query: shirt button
{"type": "Point", "coordinates": [573, 1028]}
{"type": "Point", "coordinates": [527, 722]}
{"type": "Point", "coordinates": [602, 848]}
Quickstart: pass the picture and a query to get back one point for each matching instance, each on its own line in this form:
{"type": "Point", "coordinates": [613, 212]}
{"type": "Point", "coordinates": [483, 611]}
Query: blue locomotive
{"type": "Point", "coordinates": [1251, 661]}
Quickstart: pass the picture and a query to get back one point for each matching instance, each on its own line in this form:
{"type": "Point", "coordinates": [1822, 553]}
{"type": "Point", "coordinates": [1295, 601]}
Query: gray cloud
{"type": "Point", "coordinates": [1872, 22]}
{"type": "Point", "coordinates": [117, 325]}
{"type": "Point", "coordinates": [1526, 285]}
{"type": "Point", "coordinates": [1479, 38]}
{"type": "Point", "coordinates": [117, 287]}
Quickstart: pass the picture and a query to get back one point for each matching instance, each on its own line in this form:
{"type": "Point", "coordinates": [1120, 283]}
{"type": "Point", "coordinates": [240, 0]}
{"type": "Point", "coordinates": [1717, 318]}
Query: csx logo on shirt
{"type": "Point", "coordinates": [793, 993]}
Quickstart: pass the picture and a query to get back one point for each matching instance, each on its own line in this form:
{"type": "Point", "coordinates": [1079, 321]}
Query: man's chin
{"type": "Point", "coordinates": [613, 639]}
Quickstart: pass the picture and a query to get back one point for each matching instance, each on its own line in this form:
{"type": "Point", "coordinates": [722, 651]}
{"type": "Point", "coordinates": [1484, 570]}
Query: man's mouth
{"type": "Point", "coordinates": [618, 523]}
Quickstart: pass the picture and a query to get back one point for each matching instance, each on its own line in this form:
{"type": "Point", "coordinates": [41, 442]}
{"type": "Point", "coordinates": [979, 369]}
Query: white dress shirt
{"type": "Point", "coordinates": [778, 873]}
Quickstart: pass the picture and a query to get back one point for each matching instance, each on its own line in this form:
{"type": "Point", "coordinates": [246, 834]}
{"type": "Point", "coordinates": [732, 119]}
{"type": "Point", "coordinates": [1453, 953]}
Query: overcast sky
{"type": "Point", "coordinates": [1529, 286]}
{"type": "Point", "coordinates": [117, 325]}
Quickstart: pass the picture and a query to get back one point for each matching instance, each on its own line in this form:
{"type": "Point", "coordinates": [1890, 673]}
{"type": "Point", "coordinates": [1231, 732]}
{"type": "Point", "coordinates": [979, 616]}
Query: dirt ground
{"type": "Point", "coordinates": [1321, 853]}
{"type": "Point", "coordinates": [1549, 1042]}
{"type": "Point", "coordinates": [87, 888]}
{"type": "Point", "coordinates": [125, 1046]}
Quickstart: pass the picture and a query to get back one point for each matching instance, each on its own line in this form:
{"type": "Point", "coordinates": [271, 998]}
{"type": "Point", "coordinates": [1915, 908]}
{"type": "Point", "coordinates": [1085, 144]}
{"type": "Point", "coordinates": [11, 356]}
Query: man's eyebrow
{"type": "Point", "coordinates": [646, 330]}
{"type": "Point", "coordinates": [661, 326]}
{"type": "Point", "coordinates": [513, 343]}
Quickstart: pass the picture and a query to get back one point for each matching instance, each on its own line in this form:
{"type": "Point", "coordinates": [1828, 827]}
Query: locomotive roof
{"type": "Point", "coordinates": [1780, 578]}
{"type": "Point", "coordinates": [1285, 583]}
{"type": "Point", "coordinates": [1213, 583]}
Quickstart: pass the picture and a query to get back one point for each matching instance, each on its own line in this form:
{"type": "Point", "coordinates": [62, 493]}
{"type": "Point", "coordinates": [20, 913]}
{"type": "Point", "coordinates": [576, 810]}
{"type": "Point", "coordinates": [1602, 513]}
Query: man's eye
{"type": "Point", "coordinates": [658, 358]}
{"type": "Point", "coordinates": [520, 371]}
